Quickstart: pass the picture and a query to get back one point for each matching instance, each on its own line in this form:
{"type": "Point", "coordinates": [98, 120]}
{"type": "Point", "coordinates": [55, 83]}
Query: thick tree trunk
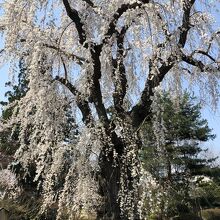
{"type": "Point", "coordinates": [116, 177]}
{"type": "Point", "coordinates": [109, 188]}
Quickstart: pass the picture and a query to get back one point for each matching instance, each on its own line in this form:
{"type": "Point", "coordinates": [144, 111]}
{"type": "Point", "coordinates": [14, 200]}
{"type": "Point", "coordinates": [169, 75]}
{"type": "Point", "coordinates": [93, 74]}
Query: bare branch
{"type": "Point", "coordinates": [204, 53]}
{"type": "Point", "coordinates": [82, 104]}
{"type": "Point", "coordinates": [199, 64]}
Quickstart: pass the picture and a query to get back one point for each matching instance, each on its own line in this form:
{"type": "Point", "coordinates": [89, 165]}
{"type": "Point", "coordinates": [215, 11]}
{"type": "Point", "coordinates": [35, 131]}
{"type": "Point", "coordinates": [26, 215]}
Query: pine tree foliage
{"type": "Point", "coordinates": [184, 132]}
{"type": "Point", "coordinates": [179, 158]}
{"type": "Point", "coordinates": [96, 55]}
{"type": "Point", "coordinates": [178, 162]}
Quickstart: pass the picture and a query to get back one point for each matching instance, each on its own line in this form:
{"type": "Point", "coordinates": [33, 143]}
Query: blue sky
{"type": "Point", "coordinates": [214, 123]}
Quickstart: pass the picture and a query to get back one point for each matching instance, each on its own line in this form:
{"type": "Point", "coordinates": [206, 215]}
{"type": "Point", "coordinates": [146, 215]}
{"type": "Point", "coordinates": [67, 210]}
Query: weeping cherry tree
{"type": "Point", "coordinates": [106, 59]}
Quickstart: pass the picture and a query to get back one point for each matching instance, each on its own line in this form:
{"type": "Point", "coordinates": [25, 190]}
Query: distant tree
{"type": "Point", "coordinates": [177, 159]}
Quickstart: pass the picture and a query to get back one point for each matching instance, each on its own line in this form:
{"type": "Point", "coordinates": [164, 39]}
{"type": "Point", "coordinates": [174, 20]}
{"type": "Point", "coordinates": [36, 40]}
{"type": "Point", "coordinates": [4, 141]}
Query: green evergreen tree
{"type": "Point", "coordinates": [177, 159]}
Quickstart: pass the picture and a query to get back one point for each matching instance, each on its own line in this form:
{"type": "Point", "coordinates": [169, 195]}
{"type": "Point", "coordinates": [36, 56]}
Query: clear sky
{"type": "Point", "coordinates": [214, 123]}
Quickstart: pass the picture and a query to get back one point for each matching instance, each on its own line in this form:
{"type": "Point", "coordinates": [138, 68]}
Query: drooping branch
{"type": "Point", "coordinates": [211, 39]}
{"type": "Point", "coordinates": [82, 104]}
{"type": "Point", "coordinates": [65, 69]}
{"type": "Point", "coordinates": [184, 28]}
{"type": "Point", "coordinates": [156, 74]}
{"type": "Point", "coordinates": [164, 28]}
{"type": "Point", "coordinates": [74, 16]}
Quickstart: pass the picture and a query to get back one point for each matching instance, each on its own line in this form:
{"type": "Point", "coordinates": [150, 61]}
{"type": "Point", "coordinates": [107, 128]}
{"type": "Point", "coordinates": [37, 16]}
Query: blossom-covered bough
{"type": "Point", "coordinates": [105, 59]}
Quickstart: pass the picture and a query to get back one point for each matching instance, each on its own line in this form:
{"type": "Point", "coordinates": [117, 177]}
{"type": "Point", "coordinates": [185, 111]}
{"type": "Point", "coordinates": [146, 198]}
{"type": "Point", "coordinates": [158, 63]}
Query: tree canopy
{"type": "Point", "coordinates": [106, 60]}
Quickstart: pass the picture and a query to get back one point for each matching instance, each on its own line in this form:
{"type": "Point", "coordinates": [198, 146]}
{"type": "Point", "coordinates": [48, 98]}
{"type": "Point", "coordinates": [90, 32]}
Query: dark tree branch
{"type": "Point", "coordinates": [82, 104]}
{"type": "Point", "coordinates": [79, 60]}
{"type": "Point", "coordinates": [65, 69]}
{"type": "Point", "coordinates": [199, 64]}
{"type": "Point", "coordinates": [90, 3]}
{"type": "Point", "coordinates": [204, 53]}
{"type": "Point", "coordinates": [156, 75]}
{"type": "Point", "coordinates": [143, 108]}
{"type": "Point", "coordinates": [118, 14]}
{"type": "Point", "coordinates": [164, 28]}
{"type": "Point", "coordinates": [119, 75]}
{"type": "Point", "coordinates": [74, 16]}
{"type": "Point", "coordinates": [194, 62]}
{"type": "Point", "coordinates": [96, 95]}
{"type": "Point", "coordinates": [187, 70]}
{"type": "Point", "coordinates": [184, 29]}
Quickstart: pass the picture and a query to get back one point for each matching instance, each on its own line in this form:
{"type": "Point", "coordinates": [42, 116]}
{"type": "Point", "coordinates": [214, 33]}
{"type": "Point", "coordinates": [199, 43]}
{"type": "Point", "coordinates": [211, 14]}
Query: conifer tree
{"type": "Point", "coordinates": [179, 158]}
